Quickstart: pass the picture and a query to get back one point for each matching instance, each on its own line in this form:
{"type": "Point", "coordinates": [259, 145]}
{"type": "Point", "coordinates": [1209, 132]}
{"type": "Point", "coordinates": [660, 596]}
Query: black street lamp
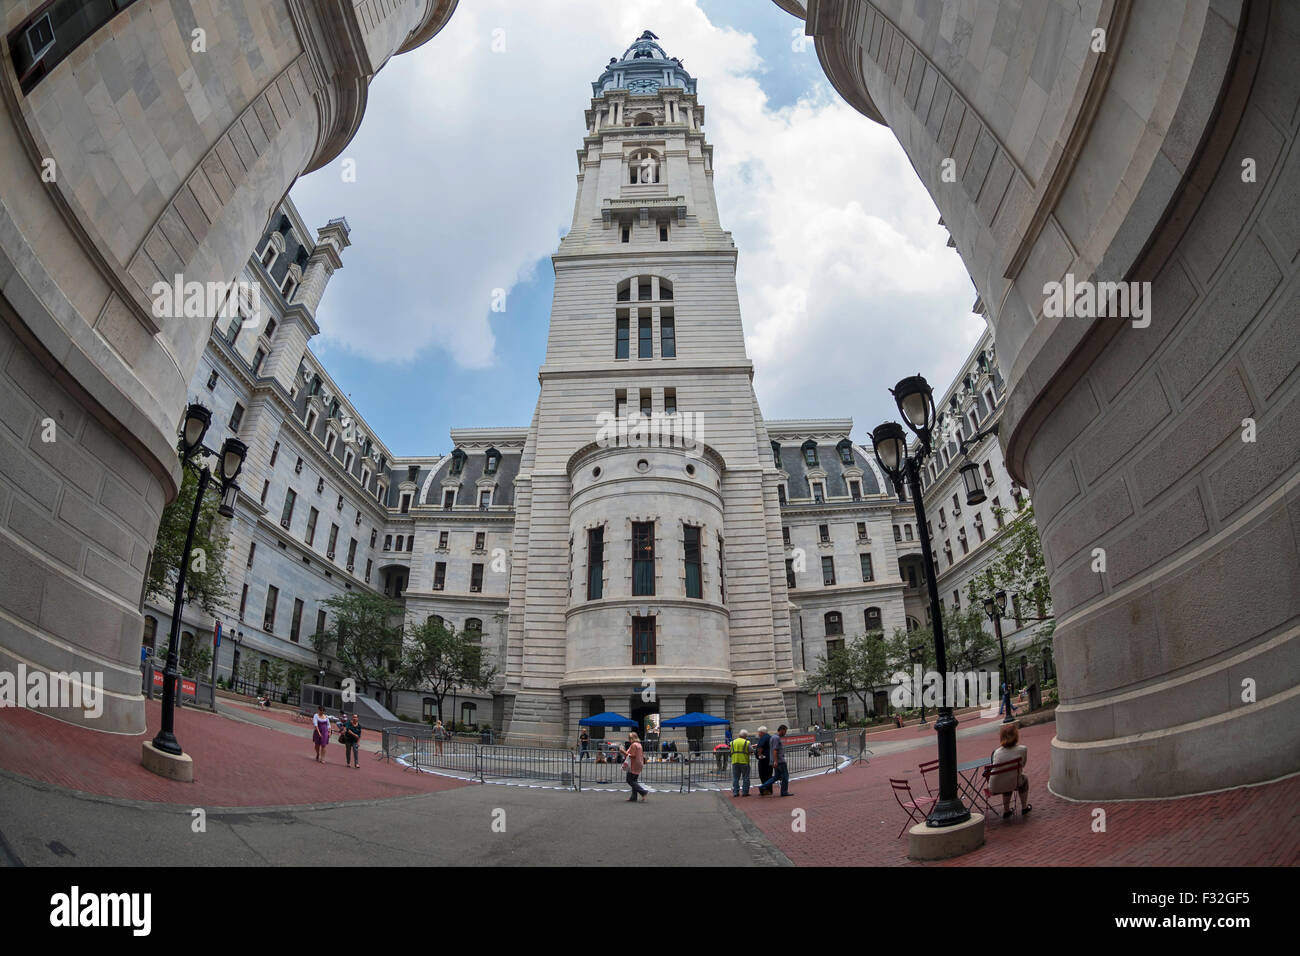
{"type": "Point", "coordinates": [995, 607]}
{"type": "Point", "coordinates": [230, 461]}
{"type": "Point", "coordinates": [915, 401]}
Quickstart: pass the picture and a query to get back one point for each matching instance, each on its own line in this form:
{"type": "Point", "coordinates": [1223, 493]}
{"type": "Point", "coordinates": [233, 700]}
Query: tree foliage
{"type": "Point", "coordinates": [440, 658]}
{"type": "Point", "coordinates": [1018, 568]}
{"type": "Point", "coordinates": [205, 581]}
{"type": "Point", "coordinates": [365, 634]}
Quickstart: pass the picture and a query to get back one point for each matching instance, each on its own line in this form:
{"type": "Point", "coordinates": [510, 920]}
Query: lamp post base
{"type": "Point", "coordinates": [942, 843]}
{"type": "Point", "coordinates": [178, 767]}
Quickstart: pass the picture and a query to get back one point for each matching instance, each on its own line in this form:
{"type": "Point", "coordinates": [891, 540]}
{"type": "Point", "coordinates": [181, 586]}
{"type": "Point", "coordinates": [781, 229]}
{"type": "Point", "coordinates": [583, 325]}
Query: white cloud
{"type": "Point", "coordinates": [466, 166]}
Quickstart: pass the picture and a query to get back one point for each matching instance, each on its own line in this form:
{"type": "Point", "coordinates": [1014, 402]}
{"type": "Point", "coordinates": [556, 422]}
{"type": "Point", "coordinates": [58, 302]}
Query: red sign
{"type": "Point", "coordinates": [790, 739]}
{"type": "Point", "coordinates": [187, 685]}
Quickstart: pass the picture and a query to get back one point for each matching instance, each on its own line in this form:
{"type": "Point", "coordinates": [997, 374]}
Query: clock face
{"type": "Point", "coordinates": [643, 86]}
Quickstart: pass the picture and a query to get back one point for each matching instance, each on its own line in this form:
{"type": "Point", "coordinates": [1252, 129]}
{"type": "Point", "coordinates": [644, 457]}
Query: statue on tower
{"type": "Point", "coordinates": [648, 165]}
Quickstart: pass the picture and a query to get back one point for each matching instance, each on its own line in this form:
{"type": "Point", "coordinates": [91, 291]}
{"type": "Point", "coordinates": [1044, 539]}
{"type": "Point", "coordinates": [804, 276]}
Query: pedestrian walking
{"type": "Point", "coordinates": [740, 765]}
{"type": "Point", "coordinates": [351, 734]}
{"type": "Point", "coordinates": [633, 761]}
{"type": "Point", "coordinates": [320, 735]}
{"type": "Point", "coordinates": [781, 772]}
{"type": "Point", "coordinates": [584, 741]}
{"type": "Point", "coordinates": [764, 760]}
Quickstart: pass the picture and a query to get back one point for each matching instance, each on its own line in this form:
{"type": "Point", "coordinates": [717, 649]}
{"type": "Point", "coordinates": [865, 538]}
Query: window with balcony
{"type": "Point", "coordinates": [595, 563]}
{"type": "Point", "coordinates": [643, 558]}
{"type": "Point", "coordinates": [643, 640]}
{"type": "Point", "coordinates": [694, 583]}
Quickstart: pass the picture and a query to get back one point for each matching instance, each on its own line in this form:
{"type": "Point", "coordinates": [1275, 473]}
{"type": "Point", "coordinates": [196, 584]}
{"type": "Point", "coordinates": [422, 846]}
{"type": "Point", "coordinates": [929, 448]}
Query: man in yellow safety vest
{"type": "Point", "coordinates": [740, 765]}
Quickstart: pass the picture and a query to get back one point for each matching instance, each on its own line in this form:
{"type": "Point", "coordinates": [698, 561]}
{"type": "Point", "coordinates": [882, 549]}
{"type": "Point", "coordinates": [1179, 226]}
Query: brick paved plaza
{"type": "Point", "coordinates": [852, 819]}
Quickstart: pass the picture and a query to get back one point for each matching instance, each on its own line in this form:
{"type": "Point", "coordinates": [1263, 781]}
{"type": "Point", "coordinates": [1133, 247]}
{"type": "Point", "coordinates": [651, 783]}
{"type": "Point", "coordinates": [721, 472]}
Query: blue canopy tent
{"type": "Point", "coordinates": [608, 719]}
{"type": "Point", "coordinates": [695, 719]}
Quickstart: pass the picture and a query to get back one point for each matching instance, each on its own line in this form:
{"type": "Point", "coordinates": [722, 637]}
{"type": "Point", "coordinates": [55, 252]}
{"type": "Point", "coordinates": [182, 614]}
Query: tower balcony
{"type": "Point", "coordinates": [642, 208]}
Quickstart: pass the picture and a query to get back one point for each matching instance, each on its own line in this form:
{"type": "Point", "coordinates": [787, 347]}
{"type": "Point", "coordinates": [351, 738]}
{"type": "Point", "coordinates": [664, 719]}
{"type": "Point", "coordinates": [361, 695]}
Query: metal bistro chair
{"type": "Point", "coordinates": [911, 805]}
{"type": "Point", "coordinates": [997, 770]}
{"type": "Point", "coordinates": [928, 767]}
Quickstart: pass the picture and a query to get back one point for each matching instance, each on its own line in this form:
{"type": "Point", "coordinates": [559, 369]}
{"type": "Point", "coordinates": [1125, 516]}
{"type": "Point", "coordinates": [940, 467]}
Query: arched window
{"type": "Point", "coordinates": [872, 618]}
{"type": "Point", "coordinates": [435, 620]}
{"type": "Point", "coordinates": [643, 167]}
{"type": "Point", "coordinates": [473, 628]}
{"type": "Point", "coordinates": [493, 462]}
{"type": "Point", "coordinates": [810, 453]}
{"type": "Point", "coordinates": [834, 623]}
{"type": "Point", "coordinates": [845, 448]}
{"type": "Point", "coordinates": [643, 119]}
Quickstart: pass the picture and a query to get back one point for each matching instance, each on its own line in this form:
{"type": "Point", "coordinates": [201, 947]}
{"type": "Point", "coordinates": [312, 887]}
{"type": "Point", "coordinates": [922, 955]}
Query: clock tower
{"type": "Point", "coordinates": [648, 573]}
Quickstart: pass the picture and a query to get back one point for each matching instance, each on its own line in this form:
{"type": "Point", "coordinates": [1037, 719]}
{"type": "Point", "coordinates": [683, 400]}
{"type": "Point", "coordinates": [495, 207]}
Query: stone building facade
{"type": "Point", "coordinates": [139, 141]}
{"type": "Point", "coordinates": [1072, 144]}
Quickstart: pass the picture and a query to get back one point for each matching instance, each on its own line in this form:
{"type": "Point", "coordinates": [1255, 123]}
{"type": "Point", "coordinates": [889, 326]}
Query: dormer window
{"type": "Point", "coordinates": [776, 453]}
{"type": "Point", "coordinates": [457, 462]}
{"type": "Point", "coordinates": [845, 448]}
{"type": "Point", "coordinates": [493, 461]}
{"type": "Point", "coordinates": [810, 453]}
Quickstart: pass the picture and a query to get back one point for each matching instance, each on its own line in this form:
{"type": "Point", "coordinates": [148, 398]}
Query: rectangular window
{"type": "Point", "coordinates": [828, 571]}
{"type": "Point", "coordinates": [334, 537]}
{"type": "Point", "coordinates": [722, 572]}
{"type": "Point", "coordinates": [252, 549]}
{"type": "Point", "coordinates": [236, 417]}
{"type": "Point", "coordinates": [369, 565]}
{"type": "Point", "coordinates": [644, 290]}
{"type": "Point", "coordinates": [997, 512]}
{"type": "Point", "coordinates": [979, 525]}
{"type": "Point", "coordinates": [620, 402]}
{"type": "Point", "coordinates": [670, 401]}
{"type": "Point", "coordinates": [439, 575]}
{"type": "Point", "coordinates": [785, 536]}
{"type": "Point", "coordinates": [480, 540]}
{"type": "Point", "coordinates": [442, 539]}
{"type": "Point", "coordinates": [643, 640]}
{"type": "Point", "coordinates": [907, 528]}
{"type": "Point", "coordinates": [647, 403]}
{"type": "Point", "coordinates": [476, 578]}
{"type": "Point", "coordinates": [824, 533]}
{"type": "Point", "coordinates": [780, 494]}
{"type": "Point", "coordinates": [352, 552]}
{"type": "Point", "coordinates": [834, 646]}
{"type": "Point", "coordinates": [410, 543]}
{"type": "Point", "coordinates": [663, 233]}
{"type": "Point", "coordinates": [243, 601]}
{"type": "Point", "coordinates": [789, 573]}
{"type": "Point", "coordinates": [694, 584]}
{"type": "Point", "coordinates": [212, 380]}
{"type": "Point", "coordinates": [258, 359]}
{"type": "Point", "coordinates": [595, 563]}
{"type": "Point", "coordinates": [448, 498]}
{"type": "Point", "coordinates": [406, 504]}
{"type": "Point", "coordinates": [388, 542]}
{"type": "Point", "coordinates": [644, 335]}
{"type": "Point", "coordinates": [275, 453]}
{"type": "Point", "coordinates": [866, 567]}
{"type": "Point", "coordinates": [862, 531]}
{"type": "Point", "coordinates": [268, 619]}
{"type": "Point", "coordinates": [295, 625]}
{"type": "Point", "coordinates": [667, 334]}
{"type": "Point", "coordinates": [898, 536]}
{"type": "Point", "coordinates": [484, 499]}
{"type": "Point", "coordinates": [621, 335]}
{"type": "Point", "coordinates": [643, 558]}
{"type": "Point", "coordinates": [311, 525]}
{"type": "Point", "coordinates": [988, 470]}
{"type": "Point", "coordinates": [286, 516]}
{"type": "Point", "coordinates": [855, 490]}
{"type": "Point", "coordinates": [627, 234]}
{"type": "Point", "coordinates": [819, 494]}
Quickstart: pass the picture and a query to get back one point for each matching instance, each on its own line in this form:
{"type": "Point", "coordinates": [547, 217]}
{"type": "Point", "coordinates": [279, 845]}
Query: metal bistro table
{"type": "Point", "coordinates": [968, 776]}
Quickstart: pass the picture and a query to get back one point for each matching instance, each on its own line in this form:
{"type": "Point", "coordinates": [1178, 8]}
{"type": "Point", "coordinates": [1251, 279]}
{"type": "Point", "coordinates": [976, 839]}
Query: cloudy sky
{"type": "Point", "coordinates": [465, 180]}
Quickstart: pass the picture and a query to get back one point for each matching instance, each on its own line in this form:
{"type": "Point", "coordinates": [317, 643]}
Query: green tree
{"type": "Point", "coordinates": [205, 580]}
{"type": "Point", "coordinates": [440, 658]}
{"type": "Point", "coordinates": [857, 668]}
{"type": "Point", "coordinates": [198, 663]}
{"type": "Point", "coordinates": [294, 677]}
{"type": "Point", "coordinates": [365, 634]}
{"type": "Point", "coordinates": [1018, 568]}
{"type": "Point", "coordinates": [966, 643]}
{"type": "Point", "coordinates": [275, 673]}
{"type": "Point", "coordinates": [247, 671]}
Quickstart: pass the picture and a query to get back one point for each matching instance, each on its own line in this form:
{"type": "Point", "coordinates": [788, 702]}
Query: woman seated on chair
{"type": "Point", "coordinates": [1006, 783]}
